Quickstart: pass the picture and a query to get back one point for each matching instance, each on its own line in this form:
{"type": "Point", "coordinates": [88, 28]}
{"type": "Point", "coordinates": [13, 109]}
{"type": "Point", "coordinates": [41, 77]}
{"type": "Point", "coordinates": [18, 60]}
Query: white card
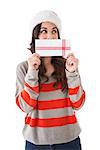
{"type": "Point", "coordinates": [52, 47]}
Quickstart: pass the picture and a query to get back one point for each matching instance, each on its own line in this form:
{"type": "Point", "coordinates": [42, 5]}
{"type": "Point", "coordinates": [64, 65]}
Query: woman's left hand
{"type": "Point", "coordinates": [71, 63]}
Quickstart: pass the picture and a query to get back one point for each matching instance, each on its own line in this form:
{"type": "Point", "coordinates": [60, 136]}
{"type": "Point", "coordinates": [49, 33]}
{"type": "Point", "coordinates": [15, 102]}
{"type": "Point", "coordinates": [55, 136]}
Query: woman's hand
{"type": "Point", "coordinates": [71, 63]}
{"type": "Point", "coordinates": [34, 61]}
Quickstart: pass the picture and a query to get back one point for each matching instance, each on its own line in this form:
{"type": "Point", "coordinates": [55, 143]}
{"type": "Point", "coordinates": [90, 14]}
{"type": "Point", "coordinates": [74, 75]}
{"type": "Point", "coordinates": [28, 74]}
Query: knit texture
{"type": "Point", "coordinates": [46, 16]}
{"type": "Point", "coordinates": [50, 113]}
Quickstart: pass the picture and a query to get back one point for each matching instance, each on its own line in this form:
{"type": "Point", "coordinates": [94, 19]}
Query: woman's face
{"type": "Point", "coordinates": [48, 30]}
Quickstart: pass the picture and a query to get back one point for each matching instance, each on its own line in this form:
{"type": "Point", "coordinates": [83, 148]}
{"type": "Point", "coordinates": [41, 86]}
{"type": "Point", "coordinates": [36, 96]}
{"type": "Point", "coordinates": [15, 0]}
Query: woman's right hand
{"type": "Point", "coordinates": [34, 61]}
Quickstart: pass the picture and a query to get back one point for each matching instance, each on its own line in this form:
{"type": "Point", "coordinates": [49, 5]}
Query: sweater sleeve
{"type": "Point", "coordinates": [27, 89]}
{"type": "Point", "coordinates": [75, 89]}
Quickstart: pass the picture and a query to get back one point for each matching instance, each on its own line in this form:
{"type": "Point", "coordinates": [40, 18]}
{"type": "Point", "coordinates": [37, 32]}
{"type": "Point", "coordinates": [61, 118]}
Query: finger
{"type": "Point", "coordinates": [70, 54]}
{"type": "Point", "coordinates": [36, 55]}
{"type": "Point", "coordinates": [71, 58]}
{"type": "Point", "coordinates": [37, 61]}
{"type": "Point", "coordinates": [35, 66]}
{"type": "Point", "coordinates": [74, 61]}
{"type": "Point", "coordinates": [69, 61]}
{"type": "Point", "coordinates": [34, 59]}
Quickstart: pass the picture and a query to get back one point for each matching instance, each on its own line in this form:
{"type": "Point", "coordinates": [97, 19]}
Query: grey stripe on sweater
{"type": "Point", "coordinates": [47, 135]}
{"type": "Point", "coordinates": [55, 135]}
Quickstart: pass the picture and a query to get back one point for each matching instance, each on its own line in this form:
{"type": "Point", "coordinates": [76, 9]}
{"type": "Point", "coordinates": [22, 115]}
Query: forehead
{"type": "Point", "coordinates": [48, 25]}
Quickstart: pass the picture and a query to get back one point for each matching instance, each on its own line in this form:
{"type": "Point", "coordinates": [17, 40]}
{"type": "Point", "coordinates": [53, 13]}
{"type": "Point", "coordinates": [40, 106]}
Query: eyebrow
{"type": "Point", "coordinates": [54, 28]}
{"type": "Point", "coordinates": [46, 28]}
{"type": "Point", "coordinates": [43, 28]}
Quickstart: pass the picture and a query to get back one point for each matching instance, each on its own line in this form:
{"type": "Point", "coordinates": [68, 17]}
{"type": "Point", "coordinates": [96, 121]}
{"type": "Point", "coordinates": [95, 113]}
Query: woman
{"type": "Point", "coordinates": [48, 90]}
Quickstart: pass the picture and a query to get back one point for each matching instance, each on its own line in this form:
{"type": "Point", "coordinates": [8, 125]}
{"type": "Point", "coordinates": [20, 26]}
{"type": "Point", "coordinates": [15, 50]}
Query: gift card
{"type": "Point", "coordinates": [52, 47]}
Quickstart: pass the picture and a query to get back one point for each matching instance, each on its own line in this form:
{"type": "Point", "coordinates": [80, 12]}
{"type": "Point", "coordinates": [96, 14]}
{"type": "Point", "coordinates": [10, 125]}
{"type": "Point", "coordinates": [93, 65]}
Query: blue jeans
{"type": "Point", "coordinates": [73, 145]}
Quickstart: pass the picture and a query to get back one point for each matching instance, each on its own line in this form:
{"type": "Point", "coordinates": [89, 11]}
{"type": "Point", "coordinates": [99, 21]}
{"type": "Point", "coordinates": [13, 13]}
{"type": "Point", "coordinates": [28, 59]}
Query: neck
{"type": "Point", "coordinates": [48, 66]}
{"type": "Point", "coordinates": [47, 62]}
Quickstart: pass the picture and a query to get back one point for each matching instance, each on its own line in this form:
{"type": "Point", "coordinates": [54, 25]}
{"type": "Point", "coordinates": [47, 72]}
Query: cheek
{"type": "Point", "coordinates": [42, 36]}
{"type": "Point", "coordinates": [56, 36]}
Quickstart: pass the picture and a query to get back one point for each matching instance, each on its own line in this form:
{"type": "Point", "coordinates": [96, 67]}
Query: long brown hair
{"type": "Point", "coordinates": [57, 61]}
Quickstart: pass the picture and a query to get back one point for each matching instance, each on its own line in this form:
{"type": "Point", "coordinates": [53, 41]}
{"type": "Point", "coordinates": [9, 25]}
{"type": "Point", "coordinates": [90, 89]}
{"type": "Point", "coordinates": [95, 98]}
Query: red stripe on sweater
{"type": "Point", "coordinates": [27, 99]}
{"type": "Point", "coordinates": [35, 88]}
{"type": "Point", "coordinates": [80, 101]}
{"type": "Point", "coordinates": [49, 87]}
{"type": "Point", "coordinates": [44, 104]}
{"type": "Point", "coordinates": [53, 104]}
{"type": "Point", "coordinates": [72, 91]}
{"type": "Point", "coordinates": [17, 102]}
{"type": "Point", "coordinates": [51, 122]}
{"type": "Point", "coordinates": [44, 87]}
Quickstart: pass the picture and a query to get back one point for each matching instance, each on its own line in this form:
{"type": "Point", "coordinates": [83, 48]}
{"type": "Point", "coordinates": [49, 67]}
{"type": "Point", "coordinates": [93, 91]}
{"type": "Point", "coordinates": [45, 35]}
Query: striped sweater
{"type": "Point", "coordinates": [50, 113]}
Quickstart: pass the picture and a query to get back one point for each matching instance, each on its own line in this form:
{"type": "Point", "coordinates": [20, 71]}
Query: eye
{"type": "Point", "coordinates": [43, 31]}
{"type": "Point", "coordinates": [54, 31]}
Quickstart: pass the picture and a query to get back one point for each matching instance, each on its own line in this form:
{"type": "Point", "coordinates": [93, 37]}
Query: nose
{"type": "Point", "coordinates": [49, 36]}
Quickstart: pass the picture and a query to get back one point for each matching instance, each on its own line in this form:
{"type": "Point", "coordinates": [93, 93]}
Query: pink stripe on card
{"type": "Point", "coordinates": [63, 47]}
{"type": "Point", "coordinates": [52, 48]}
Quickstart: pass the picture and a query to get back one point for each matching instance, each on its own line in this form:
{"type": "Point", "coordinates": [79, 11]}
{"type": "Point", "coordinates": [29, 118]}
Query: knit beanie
{"type": "Point", "coordinates": [46, 15]}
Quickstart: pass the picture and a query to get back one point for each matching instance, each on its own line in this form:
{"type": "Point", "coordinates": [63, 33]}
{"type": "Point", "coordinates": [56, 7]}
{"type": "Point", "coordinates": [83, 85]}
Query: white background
{"type": "Point", "coordinates": [81, 24]}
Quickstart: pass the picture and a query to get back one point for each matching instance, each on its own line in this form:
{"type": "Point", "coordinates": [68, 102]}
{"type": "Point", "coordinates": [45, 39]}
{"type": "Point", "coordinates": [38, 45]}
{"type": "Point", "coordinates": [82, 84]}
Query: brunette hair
{"type": "Point", "coordinates": [57, 61]}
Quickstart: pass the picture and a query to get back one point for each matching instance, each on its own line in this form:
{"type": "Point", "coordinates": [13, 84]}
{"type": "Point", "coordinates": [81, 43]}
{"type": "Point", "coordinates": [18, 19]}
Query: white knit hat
{"type": "Point", "coordinates": [46, 15]}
